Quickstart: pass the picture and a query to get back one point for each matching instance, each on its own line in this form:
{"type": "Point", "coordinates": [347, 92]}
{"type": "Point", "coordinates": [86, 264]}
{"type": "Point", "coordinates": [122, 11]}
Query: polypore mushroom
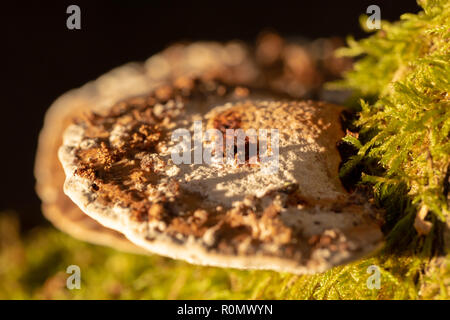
{"type": "Point", "coordinates": [120, 171]}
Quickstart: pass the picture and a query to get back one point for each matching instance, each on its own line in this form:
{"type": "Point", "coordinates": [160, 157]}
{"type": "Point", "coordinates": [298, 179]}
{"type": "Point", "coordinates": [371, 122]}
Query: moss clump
{"type": "Point", "coordinates": [34, 267]}
{"type": "Point", "coordinates": [402, 148]}
{"type": "Point", "coordinates": [403, 74]}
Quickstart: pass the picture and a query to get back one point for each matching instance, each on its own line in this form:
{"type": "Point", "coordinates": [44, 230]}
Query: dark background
{"type": "Point", "coordinates": [42, 59]}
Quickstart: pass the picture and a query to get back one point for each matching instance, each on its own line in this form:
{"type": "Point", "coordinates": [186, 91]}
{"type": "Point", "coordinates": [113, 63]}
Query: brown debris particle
{"type": "Point", "coordinates": [241, 92]}
{"type": "Point", "coordinates": [156, 211]}
{"type": "Point", "coordinates": [164, 93]}
{"type": "Point", "coordinates": [422, 226]}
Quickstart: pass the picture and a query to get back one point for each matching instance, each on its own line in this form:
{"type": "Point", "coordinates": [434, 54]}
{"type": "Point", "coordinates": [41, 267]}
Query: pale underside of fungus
{"type": "Point", "coordinates": [113, 137]}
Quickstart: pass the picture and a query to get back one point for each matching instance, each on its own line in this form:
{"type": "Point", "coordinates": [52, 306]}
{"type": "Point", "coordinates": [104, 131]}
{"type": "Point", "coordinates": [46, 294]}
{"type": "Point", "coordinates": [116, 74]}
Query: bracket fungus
{"type": "Point", "coordinates": [115, 148]}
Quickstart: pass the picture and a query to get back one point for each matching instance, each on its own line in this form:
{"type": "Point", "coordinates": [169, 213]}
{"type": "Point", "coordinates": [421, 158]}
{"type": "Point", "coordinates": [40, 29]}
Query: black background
{"type": "Point", "coordinates": [42, 59]}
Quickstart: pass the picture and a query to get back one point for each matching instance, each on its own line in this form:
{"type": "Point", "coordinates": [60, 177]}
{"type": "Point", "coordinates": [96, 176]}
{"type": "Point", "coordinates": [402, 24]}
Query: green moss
{"type": "Point", "coordinates": [34, 267]}
{"type": "Point", "coordinates": [403, 149]}
{"type": "Point", "coordinates": [403, 72]}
